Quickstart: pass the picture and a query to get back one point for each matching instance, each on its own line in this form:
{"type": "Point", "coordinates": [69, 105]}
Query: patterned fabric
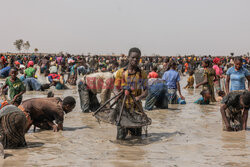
{"type": "Point", "coordinates": [136, 82]}
{"type": "Point", "coordinates": [12, 127]}
{"type": "Point", "coordinates": [209, 73]}
{"type": "Point", "coordinates": [172, 96]}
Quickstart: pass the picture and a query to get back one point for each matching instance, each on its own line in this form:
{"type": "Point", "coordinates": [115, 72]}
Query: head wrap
{"type": "Point", "coordinates": [17, 63]}
{"type": "Point", "coordinates": [216, 60]}
{"type": "Point", "coordinates": [30, 63]}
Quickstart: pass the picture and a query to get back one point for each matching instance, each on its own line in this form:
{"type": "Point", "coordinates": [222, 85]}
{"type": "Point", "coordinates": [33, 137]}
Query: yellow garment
{"type": "Point", "coordinates": [137, 82]}
{"type": "Point", "coordinates": [190, 82]}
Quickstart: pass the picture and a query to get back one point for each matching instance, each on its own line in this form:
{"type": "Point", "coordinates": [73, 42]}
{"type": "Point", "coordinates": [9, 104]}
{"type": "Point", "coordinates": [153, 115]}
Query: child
{"type": "Point", "coordinates": [206, 95]}
{"type": "Point", "coordinates": [190, 81]}
{"type": "Point", "coordinates": [221, 94]}
{"type": "Point", "coordinates": [16, 87]}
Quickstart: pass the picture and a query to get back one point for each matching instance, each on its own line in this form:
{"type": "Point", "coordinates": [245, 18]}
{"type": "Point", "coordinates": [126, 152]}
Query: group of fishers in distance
{"type": "Point", "coordinates": [122, 82]}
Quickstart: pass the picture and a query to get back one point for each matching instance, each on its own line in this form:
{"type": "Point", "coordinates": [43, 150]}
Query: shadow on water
{"type": "Point", "coordinates": [75, 128]}
{"type": "Point", "coordinates": [34, 144]}
{"type": "Point", "coordinates": [146, 140]}
{"type": "Point", "coordinates": [7, 155]}
{"type": "Point", "coordinates": [174, 109]}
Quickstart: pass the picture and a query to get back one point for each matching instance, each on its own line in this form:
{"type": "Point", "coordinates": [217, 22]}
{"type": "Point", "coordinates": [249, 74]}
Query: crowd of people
{"type": "Point", "coordinates": [155, 79]}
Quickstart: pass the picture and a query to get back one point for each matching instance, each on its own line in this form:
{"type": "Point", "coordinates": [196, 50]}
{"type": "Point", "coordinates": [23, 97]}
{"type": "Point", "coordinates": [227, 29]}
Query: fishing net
{"type": "Point", "coordinates": [128, 119]}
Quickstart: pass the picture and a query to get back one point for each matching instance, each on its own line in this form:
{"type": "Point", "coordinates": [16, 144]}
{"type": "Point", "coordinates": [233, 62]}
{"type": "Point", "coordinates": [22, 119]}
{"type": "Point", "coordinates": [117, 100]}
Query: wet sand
{"type": "Point", "coordinates": [184, 135]}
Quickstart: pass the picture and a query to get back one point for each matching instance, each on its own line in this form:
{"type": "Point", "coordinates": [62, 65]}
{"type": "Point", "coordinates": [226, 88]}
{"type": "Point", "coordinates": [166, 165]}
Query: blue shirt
{"type": "Point", "coordinates": [171, 77]}
{"type": "Point", "coordinates": [5, 71]}
{"type": "Point", "coordinates": [237, 78]}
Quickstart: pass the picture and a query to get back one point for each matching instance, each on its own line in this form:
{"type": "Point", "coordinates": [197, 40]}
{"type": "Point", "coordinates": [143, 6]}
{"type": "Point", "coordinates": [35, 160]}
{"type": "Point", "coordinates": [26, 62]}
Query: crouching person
{"type": "Point", "coordinates": [42, 112]}
{"type": "Point", "coordinates": [12, 127]}
{"type": "Point", "coordinates": [57, 80]}
{"type": "Point", "coordinates": [157, 94]}
{"type": "Point", "coordinates": [234, 110]}
{"type": "Point", "coordinates": [93, 84]}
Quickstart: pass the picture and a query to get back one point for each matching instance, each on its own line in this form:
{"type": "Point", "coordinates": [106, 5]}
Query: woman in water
{"type": "Point", "coordinates": [236, 75]}
{"type": "Point", "coordinates": [209, 77]}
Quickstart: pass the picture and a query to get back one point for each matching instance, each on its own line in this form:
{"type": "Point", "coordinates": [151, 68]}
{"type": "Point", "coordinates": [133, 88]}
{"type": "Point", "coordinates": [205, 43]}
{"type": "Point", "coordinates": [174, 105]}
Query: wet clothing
{"type": "Point", "coordinates": [12, 127]}
{"type": "Point", "coordinates": [15, 88]}
{"type": "Point", "coordinates": [32, 83]}
{"type": "Point", "coordinates": [136, 83]}
{"type": "Point", "coordinates": [234, 109]}
{"type": "Point", "coordinates": [237, 78]}
{"type": "Point", "coordinates": [157, 95]}
{"type": "Point", "coordinates": [209, 73]}
{"type": "Point", "coordinates": [97, 83]}
{"type": "Point", "coordinates": [4, 72]}
{"type": "Point", "coordinates": [171, 77]}
{"type": "Point", "coordinates": [72, 77]}
{"type": "Point", "coordinates": [201, 101]}
{"type": "Point", "coordinates": [43, 110]}
{"type": "Point", "coordinates": [219, 72]}
{"type": "Point", "coordinates": [190, 82]}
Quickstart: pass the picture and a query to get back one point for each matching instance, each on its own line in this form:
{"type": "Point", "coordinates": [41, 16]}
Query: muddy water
{"type": "Point", "coordinates": [184, 135]}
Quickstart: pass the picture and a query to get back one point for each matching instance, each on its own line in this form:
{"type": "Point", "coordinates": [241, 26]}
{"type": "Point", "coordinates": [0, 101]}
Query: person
{"type": "Point", "coordinates": [190, 81]}
{"type": "Point", "coordinates": [205, 99]}
{"type": "Point", "coordinates": [172, 81]}
{"type": "Point", "coordinates": [57, 81]}
{"type": "Point", "coordinates": [157, 94]}
{"type": "Point", "coordinates": [218, 72]}
{"type": "Point", "coordinates": [41, 112]}
{"type": "Point", "coordinates": [16, 87]}
{"type": "Point", "coordinates": [44, 64]}
{"type": "Point", "coordinates": [234, 110]}
{"type": "Point", "coordinates": [153, 74]}
{"type": "Point", "coordinates": [209, 77]}
{"type": "Point", "coordinates": [12, 125]}
{"type": "Point", "coordinates": [53, 68]}
{"type": "Point", "coordinates": [221, 94]}
{"type": "Point", "coordinates": [97, 83]}
{"type": "Point", "coordinates": [4, 72]}
{"type": "Point", "coordinates": [30, 81]}
{"type": "Point", "coordinates": [72, 76]}
{"type": "Point", "coordinates": [236, 76]}
{"type": "Point", "coordinates": [132, 80]}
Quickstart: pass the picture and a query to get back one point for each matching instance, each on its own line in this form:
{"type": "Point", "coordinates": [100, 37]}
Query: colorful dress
{"type": "Point", "coordinates": [209, 73]}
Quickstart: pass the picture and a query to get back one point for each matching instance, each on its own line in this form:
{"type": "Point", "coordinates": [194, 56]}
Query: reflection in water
{"type": "Point", "coordinates": [185, 135]}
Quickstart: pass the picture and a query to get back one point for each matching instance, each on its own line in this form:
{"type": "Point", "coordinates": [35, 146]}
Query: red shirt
{"type": "Point", "coordinates": [152, 75]}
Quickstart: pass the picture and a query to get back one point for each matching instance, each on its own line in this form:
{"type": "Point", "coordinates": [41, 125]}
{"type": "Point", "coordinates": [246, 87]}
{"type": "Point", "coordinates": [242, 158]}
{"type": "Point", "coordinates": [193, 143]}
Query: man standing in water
{"type": "Point", "coordinates": [131, 80]}
{"type": "Point", "coordinates": [234, 110]}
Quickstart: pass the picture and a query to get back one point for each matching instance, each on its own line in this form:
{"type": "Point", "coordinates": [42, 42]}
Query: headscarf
{"type": "Point", "coordinates": [216, 60]}
{"type": "Point", "coordinates": [30, 63]}
{"type": "Point", "coordinates": [17, 63]}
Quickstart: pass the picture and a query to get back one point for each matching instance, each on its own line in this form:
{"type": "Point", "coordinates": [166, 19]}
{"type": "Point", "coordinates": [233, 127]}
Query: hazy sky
{"type": "Point", "coordinates": [166, 27]}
